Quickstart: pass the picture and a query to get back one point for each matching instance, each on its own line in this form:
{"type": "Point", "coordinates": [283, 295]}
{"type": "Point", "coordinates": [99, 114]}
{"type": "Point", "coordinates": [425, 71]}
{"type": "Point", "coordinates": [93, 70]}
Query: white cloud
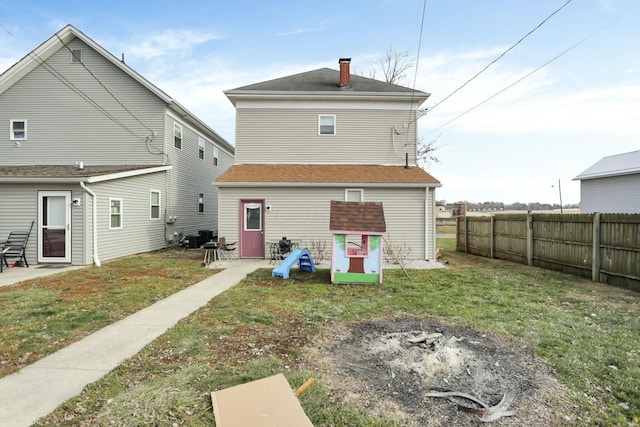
{"type": "Point", "coordinates": [167, 42]}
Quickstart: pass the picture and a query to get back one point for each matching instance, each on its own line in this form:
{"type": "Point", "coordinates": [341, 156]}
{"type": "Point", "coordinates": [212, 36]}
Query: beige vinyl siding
{"type": "Point", "coordinates": [64, 128]}
{"type": "Point", "coordinates": [19, 206]}
{"type": "Point", "coordinates": [615, 194]}
{"type": "Point", "coordinates": [191, 175]}
{"type": "Point", "coordinates": [363, 136]}
{"type": "Point", "coordinates": [302, 214]}
{"type": "Point", "coordinates": [139, 232]}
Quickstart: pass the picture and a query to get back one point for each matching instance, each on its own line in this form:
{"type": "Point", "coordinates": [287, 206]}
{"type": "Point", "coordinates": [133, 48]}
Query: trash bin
{"type": "Point", "coordinates": [194, 241]}
{"type": "Point", "coordinates": [205, 236]}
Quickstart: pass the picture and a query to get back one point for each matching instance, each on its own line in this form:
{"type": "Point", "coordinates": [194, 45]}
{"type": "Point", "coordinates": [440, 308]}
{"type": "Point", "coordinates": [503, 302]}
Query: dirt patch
{"type": "Point", "coordinates": [372, 366]}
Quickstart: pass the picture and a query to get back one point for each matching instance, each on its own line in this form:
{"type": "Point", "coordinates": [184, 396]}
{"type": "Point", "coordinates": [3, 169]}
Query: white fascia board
{"type": "Point", "coordinates": [323, 184]}
{"type": "Point", "coordinates": [236, 96]}
{"type": "Point", "coordinates": [119, 175]}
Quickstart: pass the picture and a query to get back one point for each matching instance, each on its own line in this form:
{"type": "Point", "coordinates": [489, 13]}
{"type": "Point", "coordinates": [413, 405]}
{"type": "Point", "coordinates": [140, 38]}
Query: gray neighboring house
{"type": "Point", "coordinates": [310, 138]}
{"type": "Point", "coordinates": [102, 161]}
{"type": "Point", "coordinates": [611, 185]}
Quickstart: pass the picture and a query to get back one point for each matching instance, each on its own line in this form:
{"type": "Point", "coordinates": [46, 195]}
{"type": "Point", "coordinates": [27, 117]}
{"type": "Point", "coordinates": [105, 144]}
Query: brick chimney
{"type": "Point", "coordinates": [345, 75]}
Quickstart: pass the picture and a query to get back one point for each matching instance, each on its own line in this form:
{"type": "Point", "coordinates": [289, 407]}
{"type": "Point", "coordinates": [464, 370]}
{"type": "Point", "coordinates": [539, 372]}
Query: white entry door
{"type": "Point", "coordinates": [54, 226]}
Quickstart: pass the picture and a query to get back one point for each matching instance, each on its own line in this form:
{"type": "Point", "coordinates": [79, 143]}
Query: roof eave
{"type": "Point", "coordinates": [230, 184]}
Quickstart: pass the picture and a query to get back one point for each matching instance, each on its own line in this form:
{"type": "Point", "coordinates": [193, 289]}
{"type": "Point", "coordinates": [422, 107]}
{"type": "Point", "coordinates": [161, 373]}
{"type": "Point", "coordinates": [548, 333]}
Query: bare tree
{"type": "Point", "coordinates": [426, 152]}
{"type": "Point", "coordinates": [394, 65]}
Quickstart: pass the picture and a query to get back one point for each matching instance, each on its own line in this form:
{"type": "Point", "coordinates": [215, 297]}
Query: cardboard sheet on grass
{"type": "Point", "coordinates": [266, 402]}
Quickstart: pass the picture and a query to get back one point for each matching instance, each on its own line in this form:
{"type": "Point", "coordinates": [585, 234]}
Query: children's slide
{"type": "Point", "coordinates": [302, 256]}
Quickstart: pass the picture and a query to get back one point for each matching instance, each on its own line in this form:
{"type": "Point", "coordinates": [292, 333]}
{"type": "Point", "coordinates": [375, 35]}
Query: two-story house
{"type": "Point", "coordinates": [104, 162]}
{"type": "Point", "coordinates": [322, 135]}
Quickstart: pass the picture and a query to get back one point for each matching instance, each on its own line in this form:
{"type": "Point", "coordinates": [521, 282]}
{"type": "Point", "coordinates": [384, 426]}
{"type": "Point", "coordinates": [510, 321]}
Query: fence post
{"type": "Point", "coordinates": [529, 238]}
{"type": "Point", "coordinates": [492, 230]}
{"type": "Point", "coordinates": [595, 262]}
{"type": "Point", "coordinates": [466, 234]}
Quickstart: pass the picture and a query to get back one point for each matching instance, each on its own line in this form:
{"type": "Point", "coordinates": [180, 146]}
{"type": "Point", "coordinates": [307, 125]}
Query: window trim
{"type": "Point", "coordinates": [320, 116]}
{"type": "Point", "coordinates": [151, 205]}
{"type": "Point", "coordinates": [353, 190]}
{"type": "Point", "coordinates": [120, 214]}
{"type": "Point", "coordinates": [216, 156]}
{"type": "Point", "coordinates": [12, 136]}
{"type": "Point", "coordinates": [201, 203]}
{"type": "Point", "coordinates": [201, 150]}
{"type": "Point", "coordinates": [178, 127]}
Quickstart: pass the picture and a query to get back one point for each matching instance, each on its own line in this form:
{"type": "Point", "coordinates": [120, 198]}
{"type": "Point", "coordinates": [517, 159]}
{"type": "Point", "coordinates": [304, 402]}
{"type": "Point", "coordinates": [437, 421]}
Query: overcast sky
{"type": "Point", "coordinates": [551, 125]}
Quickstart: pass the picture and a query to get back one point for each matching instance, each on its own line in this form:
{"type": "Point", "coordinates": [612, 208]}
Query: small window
{"type": "Point", "coordinates": [357, 245]}
{"type": "Point", "coordinates": [216, 154]}
{"type": "Point", "coordinates": [76, 56]}
{"type": "Point", "coordinates": [115, 214]}
{"type": "Point", "coordinates": [18, 129]}
{"type": "Point", "coordinates": [154, 204]}
{"type": "Point", "coordinates": [200, 148]}
{"type": "Point", "coordinates": [177, 136]}
{"type": "Point", "coordinates": [200, 202]}
{"type": "Point", "coordinates": [353, 195]}
{"type": "Point", "coordinates": [327, 124]}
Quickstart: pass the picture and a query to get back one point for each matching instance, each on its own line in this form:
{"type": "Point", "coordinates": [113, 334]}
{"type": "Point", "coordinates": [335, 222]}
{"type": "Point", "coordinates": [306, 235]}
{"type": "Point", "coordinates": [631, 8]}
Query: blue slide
{"type": "Point", "coordinates": [302, 256]}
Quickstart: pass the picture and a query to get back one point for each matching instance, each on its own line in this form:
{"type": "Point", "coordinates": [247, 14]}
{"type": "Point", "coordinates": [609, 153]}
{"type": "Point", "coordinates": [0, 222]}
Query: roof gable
{"type": "Point", "coordinates": [357, 217]}
{"type": "Point", "coordinates": [619, 164]}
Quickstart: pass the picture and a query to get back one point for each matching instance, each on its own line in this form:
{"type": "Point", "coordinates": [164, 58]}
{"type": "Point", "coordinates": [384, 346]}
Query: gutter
{"type": "Point", "coordinates": [94, 214]}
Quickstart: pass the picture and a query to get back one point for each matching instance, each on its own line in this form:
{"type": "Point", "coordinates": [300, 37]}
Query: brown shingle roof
{"type": "Point", "coordinates": [357, 216]}
{"type": "Point", "coordinates": [65, 171]}
{"type": "Point", "coordinates": [260, 173]}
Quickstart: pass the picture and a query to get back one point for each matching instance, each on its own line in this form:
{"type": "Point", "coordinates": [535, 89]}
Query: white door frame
{"type": "Point", "coordinates": [64, 223]}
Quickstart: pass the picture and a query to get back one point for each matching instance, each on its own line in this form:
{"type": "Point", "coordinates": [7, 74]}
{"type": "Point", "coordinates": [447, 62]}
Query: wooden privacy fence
{"type": "Point", "coordinates": [602, 247]}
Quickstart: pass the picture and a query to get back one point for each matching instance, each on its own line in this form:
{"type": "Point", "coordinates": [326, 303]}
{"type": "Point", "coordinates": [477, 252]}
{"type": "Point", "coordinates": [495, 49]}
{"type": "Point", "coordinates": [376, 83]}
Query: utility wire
{"type": "Point", "coordinates": [105, 88]}
{"type": "Point", "coordinates": [415, 76]}
{"type": "Point", "coordinates": [429, 109]}
{"type": "Point", "coordinates": [514, 83]}
{"type": "Point", "coordinates": [60, 77]}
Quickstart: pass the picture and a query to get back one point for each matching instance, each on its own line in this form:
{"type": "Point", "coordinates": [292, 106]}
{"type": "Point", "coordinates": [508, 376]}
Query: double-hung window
{"type": "Point", "coordinates": [154, 204]}
{"type": "Point", "coordinates": [216, 155]}
{"type": "Point", "coordinates": [18, 130]}
{"type": "Point", "coordinates": [200, 202]}
{"type": "Point", "coordinates": [327, 124]}
{"type": "Point", "coordinates": [177, 136]}
{"type": "Point", "coordinates": [115, 214]}
{"type": "Point", "coordinates": [201, 148]}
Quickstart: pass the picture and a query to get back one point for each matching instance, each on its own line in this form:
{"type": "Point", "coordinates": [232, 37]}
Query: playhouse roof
{"type": "Point", "coordinates": [357, 216]}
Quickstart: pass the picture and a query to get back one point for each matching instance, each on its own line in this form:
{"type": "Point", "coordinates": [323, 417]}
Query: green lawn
{"type": "Point", "coordinates": [587, 333]}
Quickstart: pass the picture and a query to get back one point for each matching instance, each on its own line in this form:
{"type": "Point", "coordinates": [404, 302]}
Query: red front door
{"type": "Point", "coordinates": [252, 228]}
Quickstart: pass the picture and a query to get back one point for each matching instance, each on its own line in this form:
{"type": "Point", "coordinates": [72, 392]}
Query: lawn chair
{"type": "Point", "coordinates": [226, 250]}
{"type": "Point", "coordinates": [15, 247]}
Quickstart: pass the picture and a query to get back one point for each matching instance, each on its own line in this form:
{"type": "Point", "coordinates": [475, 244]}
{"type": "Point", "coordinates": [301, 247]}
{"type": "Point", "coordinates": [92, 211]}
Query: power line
{"type": "Point", "coordinates": [105, 88]}
{"type": "Point", "coordinates": [514, 83]}
{"type": "Point", "coordinates": [498, 58]}
{"type": "Point", "coordinates": [60, 77]}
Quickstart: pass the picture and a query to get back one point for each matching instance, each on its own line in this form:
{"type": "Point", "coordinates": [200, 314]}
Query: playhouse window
{"type": "Point", "coordinates": [357, 245]}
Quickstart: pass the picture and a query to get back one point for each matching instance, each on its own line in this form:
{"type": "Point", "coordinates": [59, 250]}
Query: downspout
{"type": "Point", "coordinates": [426, 223]}
{"type": "Point", "coordinates": [94, 214]}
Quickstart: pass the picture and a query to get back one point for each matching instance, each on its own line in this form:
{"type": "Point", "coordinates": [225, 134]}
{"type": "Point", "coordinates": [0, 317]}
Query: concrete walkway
{"type": "Point", "coordinates": [38, 389]}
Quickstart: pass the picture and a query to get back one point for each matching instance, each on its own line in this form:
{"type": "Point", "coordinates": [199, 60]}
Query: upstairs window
{"type": "Point", "coordinates": [177, 136]}
{"type": "Point", "coordinates": [18, 130]}
{"type": "Point", "coordinates": [76, 56]}
{"type": "Point", "coordinates": [326, 124]}
{"type": "Point", "coordinates": [216, 155]}
{"type": "Point", "coordinates": [200, 148]}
